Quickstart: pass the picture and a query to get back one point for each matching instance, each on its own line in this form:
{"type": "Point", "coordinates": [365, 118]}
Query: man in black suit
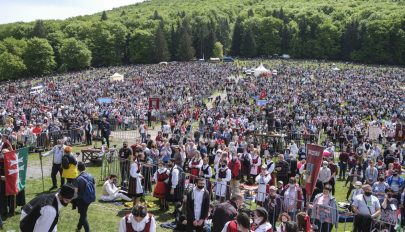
{"type": "Point", "coordinates": [198, 202]}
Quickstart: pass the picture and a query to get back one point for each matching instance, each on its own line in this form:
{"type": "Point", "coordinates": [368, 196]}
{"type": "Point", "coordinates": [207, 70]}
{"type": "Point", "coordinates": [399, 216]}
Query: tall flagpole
{"type": "Point", "coordinates": [42, 172]}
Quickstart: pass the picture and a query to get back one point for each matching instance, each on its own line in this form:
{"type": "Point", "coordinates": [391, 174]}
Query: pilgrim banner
{"type": "Point", "coordinates": [11, 172]}
{"type": "Point", "coordinates": [400, 133]}
{"type": "Point", "coordinates": [22, 165]}
{"type": "Point", "coordinates": [154, 103]}
{"type": "Point", "coordinates": [314, 160]}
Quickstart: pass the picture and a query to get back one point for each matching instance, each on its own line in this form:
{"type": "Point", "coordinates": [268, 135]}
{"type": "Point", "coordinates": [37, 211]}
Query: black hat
{"type": "Point", "coordinates": [67, 191]}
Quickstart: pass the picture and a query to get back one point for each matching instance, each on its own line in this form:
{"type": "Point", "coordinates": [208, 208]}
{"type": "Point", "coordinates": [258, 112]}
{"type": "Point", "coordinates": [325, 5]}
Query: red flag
{"type": "Point", "coordinates": [11, 171]}
{"type": "Point", "coordinates": [263, 94]}
{"type": "Point", "coordinates": [314, 160]}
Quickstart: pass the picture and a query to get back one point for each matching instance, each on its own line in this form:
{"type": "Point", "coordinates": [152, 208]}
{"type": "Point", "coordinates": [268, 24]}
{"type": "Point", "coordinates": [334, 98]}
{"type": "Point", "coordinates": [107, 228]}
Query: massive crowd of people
{"type": "Point", "coordinates": [222, 158]}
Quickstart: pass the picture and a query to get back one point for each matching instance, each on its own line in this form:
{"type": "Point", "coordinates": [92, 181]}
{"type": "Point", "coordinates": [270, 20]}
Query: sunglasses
{"type": "Point", "coordinates": [327, 189]}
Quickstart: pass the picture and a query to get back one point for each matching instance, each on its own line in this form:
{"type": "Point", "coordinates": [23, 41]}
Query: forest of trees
{"type": "Point", "coordinates": [161, 30]}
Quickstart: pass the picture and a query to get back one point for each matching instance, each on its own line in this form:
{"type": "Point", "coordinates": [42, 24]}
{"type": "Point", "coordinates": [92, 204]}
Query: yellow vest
{"type": "Point", "coordinates": [71, 172]}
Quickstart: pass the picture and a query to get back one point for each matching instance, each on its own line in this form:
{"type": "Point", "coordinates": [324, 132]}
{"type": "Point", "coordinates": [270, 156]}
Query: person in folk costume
{"type": "Point", "coordinates": [260, 221]}
{"type": "Point", "coordinates": [139, 220]}
{"type": "Point", "coordinates": [263, 187]}
{"type": "Point", "coordinates": [223, 176]}
{"type": "Point", "coordinates": [241, 224]}
{"type": "Point", "coordinates": [246, 161]}
{"type": "Point", "coordinates": [218, 157]}
{"type": "Point", "coordinates": [235, 167]}
{"type": "Point", "coordinates": [255, 169]}
{"type": "Point", "coordinates": [147, 168]}
{"type": "Point", "coordinates": [135, 188]}
{"type": "Point", "coordinates": [161, 177]}
{"type": "Point", "coordinates": [270, 170]}
{"type": "Point", "coordinates": [206, 173]}
{"type": "Point", "coordinates": [175, 186]}
{"type": "Point", "coordinates": [195, 165]}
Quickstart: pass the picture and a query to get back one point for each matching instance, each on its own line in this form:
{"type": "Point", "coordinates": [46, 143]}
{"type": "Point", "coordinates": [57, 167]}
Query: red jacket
{"type": "Point", "coordinates": [235, 167]}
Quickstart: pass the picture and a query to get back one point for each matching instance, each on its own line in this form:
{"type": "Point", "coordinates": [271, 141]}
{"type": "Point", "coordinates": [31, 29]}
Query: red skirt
{"type": "Point", "coordinates": [160, 190]}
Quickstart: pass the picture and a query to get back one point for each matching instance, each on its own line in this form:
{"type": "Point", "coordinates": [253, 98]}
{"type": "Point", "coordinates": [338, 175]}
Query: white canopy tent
{"type": "Point", "coordinates": [261, 70]}
{"type": "Point", "coordinates": [117, 77]}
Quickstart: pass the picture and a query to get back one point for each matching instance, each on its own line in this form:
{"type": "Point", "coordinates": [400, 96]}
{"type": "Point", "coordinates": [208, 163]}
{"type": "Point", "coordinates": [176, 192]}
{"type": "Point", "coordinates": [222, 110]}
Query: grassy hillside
{"type": "Point", "coordinates": [160, 30]}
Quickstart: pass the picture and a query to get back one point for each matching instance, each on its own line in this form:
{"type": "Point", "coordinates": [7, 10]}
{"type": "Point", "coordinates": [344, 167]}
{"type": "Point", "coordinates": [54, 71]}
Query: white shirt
{"type": "Point", "coordinates": [272, 166]}
{"type": "Point", "coordinates": [109, 188]}
{"type": "Point", "coordinates": [48, 214]}
{"type": "Point", "coordinates": [225, 229]}
{"type": "Point", "coordinates": [198, 199]}
{"type": "Point", "coordinates": [57, 152]}
{"type": "Point", "coordinates": [166, 129]}
{"type": "Point", "coordinates": [324, 174]}
{"type": "Point", "coordinates": [370, 202]}
{"type": "Point", "coordinates": [199, 165]}
{"type": "Point", "coordinates": [138, 226]}
{"type": "Point", "coordinates": [263, 227]}
{"type": "Point", "coordinates": [175, 177]}
{"type": "Point", "coordinates": [209, 175]}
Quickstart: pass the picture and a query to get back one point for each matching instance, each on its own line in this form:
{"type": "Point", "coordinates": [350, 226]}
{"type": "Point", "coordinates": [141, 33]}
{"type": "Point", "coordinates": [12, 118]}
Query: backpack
{"type": "Point", "coordinates": [65, 162]}
{"type": "Point", "coordinates": [89, 194]}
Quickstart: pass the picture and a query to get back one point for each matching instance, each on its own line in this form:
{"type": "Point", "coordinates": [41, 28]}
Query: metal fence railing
{"type": "Point", "coordinates": [320, 214]}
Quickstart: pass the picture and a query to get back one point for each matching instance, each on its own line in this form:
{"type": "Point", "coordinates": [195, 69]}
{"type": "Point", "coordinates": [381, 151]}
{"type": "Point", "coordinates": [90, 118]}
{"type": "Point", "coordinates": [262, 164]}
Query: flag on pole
{"type": "Point", "coordinates": [263, 94]}
{"type": "Point", "coordinates": [11, 172]}
{"type": "Point", "coordinates": [314, 160]}
{"type": "Point", "coordinates": [22, 165]}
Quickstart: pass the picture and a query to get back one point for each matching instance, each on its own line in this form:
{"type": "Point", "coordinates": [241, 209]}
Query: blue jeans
{"type": "Point", "coordinates": [342, 170]}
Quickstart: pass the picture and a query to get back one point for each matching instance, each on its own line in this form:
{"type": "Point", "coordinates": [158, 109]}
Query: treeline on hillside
{"type": "Point", "coordinates": [150, 32]}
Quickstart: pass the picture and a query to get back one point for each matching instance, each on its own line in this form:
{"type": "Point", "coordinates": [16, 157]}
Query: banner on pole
{"type": "Point", "coordinates": [313, 164]}
{"type": "Point", "coordinates": [400, 133]}
{"type": "Point", "coordinates": [11, 172]}
{"type": "Point", "coordinates": [154, 103]}
{"type": "Point", "coordinates": [22, 165]}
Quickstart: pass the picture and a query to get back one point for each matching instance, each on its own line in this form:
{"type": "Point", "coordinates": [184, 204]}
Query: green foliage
{"type": "Point", "coordinates": [104, 16]}
{"type": "Point", "coordinates": [140, 46]}
{"type": "Point", "coordinates": [74, 54]}
{"type": "Point", "coordinates": [39, 57]}
{"type": "Point", "coordinates": [237, 37]}
{"type": "Point", "coordinates": [248, 48]}
{"type": "Point", "coordinates": [14, 46]}
{"type": "Point", "coordinates": [11, 66]}
{"type": "Point", "coordinates": [185, 50]}
{"type": "Point", "coordinates": [161, 51]}
{"type": "Point", "coordinates": [218, 50]}
{"type": "Point", "coordinates": [364, 31]}
{"type": "Point", "coordinates": [39, 29]}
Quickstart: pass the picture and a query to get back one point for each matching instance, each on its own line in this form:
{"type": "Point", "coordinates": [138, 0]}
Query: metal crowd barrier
{"type": "Point", "coordinates": [112, 164]}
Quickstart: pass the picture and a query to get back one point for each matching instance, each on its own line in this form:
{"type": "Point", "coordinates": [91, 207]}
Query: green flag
{"type": "Point", "coordinates": [22, 164]}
